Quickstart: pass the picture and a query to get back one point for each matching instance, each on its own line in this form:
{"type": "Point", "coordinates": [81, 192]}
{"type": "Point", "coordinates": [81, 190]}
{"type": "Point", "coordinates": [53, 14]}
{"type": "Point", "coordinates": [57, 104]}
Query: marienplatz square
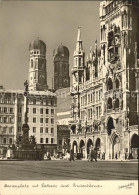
{"type": "Point", "coordinates": [100, 107]}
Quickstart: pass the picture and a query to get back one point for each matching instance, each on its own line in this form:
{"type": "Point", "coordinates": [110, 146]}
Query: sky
{"type": "Point", "coordinates": [54, 22]}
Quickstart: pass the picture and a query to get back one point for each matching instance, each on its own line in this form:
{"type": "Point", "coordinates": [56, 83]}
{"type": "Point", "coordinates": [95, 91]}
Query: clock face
{"type": "Point", "coordinates": [41, 79]}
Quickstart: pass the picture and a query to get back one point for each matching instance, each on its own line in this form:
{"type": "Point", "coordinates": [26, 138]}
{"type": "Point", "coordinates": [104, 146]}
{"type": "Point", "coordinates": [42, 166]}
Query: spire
{"type": "Point", "coordinates": [96, 47]}
{"type": "Point", "coordinates": [79, 46]}
{"type": "Point", "coordinates": [91, 53]}
{"type": "Point", "coordinates": [79, 34]}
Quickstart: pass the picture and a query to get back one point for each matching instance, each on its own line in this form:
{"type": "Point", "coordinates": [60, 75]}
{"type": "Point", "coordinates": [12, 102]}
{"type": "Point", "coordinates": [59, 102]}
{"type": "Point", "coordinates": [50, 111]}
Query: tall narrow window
{"type": "Point", "coordinates": [41, 111]}
{"type": "Point", "coordinates": [41, 120]}
{"type": "Point", "coordinates": [31, 63]}
{"type": "Point", "coordinates": [10, 140]}
{"type": "Point", "coordinates": [52, 140]}
{"type": "Point", "coordinates": [52, 130]}
{"type": "Point", "coordinates": [104, 54]}
{"type": "Point", "coordinates": [34, 110]}
{"type": "Point", "coordinates": [34, 120]}
{"type": "Point", "coordinates": [46, 130]}
{"type": "Point", "coordinates": [46, 140]}
{"type": "Point", "coordinates": [41, 129]}
{"type": "Point", "coordinates": [52, 111]}
{"type": "Point", "coordinates": [41, 140]}
{"type": "Point", "coordinates": [79, 61]}
{"type": "Point", "coordinates": [34, 129]}
{"type": "Point", "coordinates": [117, 84]}
{"type": "Point", "coordinates": [4, 140]}
{"type": "Point", "coordinates": [47, 111]}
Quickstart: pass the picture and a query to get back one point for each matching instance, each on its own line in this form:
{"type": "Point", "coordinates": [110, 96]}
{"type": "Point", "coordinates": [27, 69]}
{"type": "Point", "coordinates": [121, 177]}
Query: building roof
{"type": "Point", "coordinates": [38, 44]}
{"type": "Point", "coordinates": [61, 50]}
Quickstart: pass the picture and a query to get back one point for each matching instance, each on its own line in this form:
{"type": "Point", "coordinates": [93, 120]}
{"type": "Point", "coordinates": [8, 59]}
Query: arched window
{"type": "Point", "coordinates": [117, 83]}
{"type": "Point", "coordinates": [110, 125]}
{"type": "Point", "coordinates": [73, 128]}
{"type": "Point", "coordinates": [109, 103]}
{"type": "Point", "coordinates": [87, 74]}
{"type": "Point", "coordinates": [79, 61]}
{"type": "Point", "coordinates": [110, 84]}
{"type": "Point", "coordinates": [104, 54]}
{"type": "Point", "coordinates": [117, 103]}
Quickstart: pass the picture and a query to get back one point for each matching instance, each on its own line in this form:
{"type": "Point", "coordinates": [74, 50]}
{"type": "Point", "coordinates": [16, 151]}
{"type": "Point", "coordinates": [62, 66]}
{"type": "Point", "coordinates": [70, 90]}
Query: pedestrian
{"type": "Point", "coordinates": [103, 156]}
{"type": "Point", "coordinates": [116, 155]}
{"type": "Point", "coordinates": [94, 155]}
{"type": "Point", "coordinates": [90, 153]}
{"type": "Point", "coordinates": [71, 155]}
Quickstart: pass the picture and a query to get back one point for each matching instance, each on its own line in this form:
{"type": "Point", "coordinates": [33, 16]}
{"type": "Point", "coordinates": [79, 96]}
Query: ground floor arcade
{"type": "Point", "coordinates": [115, 146]}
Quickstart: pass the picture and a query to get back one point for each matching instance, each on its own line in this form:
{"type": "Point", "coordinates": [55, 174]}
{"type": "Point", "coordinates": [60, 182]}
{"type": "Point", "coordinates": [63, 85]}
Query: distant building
{"type": "Point", "coordinates": [63, 116]}
{"type": "Point", "coordinates": [61, 67]}
{"type": "Point", "coordinates": [104, 87]}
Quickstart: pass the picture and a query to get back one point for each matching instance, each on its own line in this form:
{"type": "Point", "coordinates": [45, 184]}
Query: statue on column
{"type": "Point", "coordinates": [25, 127]}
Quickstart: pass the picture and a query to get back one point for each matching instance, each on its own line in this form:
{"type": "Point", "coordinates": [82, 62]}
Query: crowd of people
{"type": "Point", "coordinates": [92, 156]}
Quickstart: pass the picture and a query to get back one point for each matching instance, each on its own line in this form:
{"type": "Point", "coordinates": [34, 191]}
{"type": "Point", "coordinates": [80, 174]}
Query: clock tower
{"type": "Point", "coordinates": [37, 66]}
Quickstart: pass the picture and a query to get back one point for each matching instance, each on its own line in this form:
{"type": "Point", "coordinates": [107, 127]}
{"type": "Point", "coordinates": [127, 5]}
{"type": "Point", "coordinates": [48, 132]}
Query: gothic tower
{"type": "Point", "coordinates": [79, 56]}
{"type": "Point", "coordinates": [61, 67]}
{"type": "Point", "coordinates": [37, 66]}
{"type": "Point", "coordinates": [78, 79]}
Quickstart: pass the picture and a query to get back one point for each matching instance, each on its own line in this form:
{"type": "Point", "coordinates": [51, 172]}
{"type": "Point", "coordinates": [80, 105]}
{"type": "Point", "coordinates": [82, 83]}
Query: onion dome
{"type": "Point", "coordinates": [61, 50]}
{"type": "Point", "coordinates": [38, 44]}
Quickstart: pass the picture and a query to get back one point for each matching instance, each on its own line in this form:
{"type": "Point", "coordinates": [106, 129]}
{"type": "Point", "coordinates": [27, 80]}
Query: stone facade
{"type": "Point", "coordinates": [104, 87]}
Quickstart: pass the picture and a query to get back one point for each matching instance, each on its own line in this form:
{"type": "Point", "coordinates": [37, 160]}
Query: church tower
{"type": "Point", "coordinates": [37, 66]}
{"type": "Point", "coordinates": [61, 67]}
{"type": "Point", "coordinates": [79, 57]}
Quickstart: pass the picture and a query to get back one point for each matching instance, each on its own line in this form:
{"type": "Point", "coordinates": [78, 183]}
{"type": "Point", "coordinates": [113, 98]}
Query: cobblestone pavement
{"type": "Point", "coordinates": [66, 170]}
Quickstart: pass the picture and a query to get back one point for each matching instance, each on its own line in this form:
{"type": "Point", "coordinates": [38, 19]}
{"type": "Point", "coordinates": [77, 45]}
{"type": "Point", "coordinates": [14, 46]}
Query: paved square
{"type": "Point", "coordinates": [66, 170]}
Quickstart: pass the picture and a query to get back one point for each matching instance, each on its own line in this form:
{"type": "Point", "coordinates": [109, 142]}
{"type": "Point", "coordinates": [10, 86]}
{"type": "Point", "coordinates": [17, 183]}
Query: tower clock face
{"type": "Point", "coordinates": [41, 79]}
